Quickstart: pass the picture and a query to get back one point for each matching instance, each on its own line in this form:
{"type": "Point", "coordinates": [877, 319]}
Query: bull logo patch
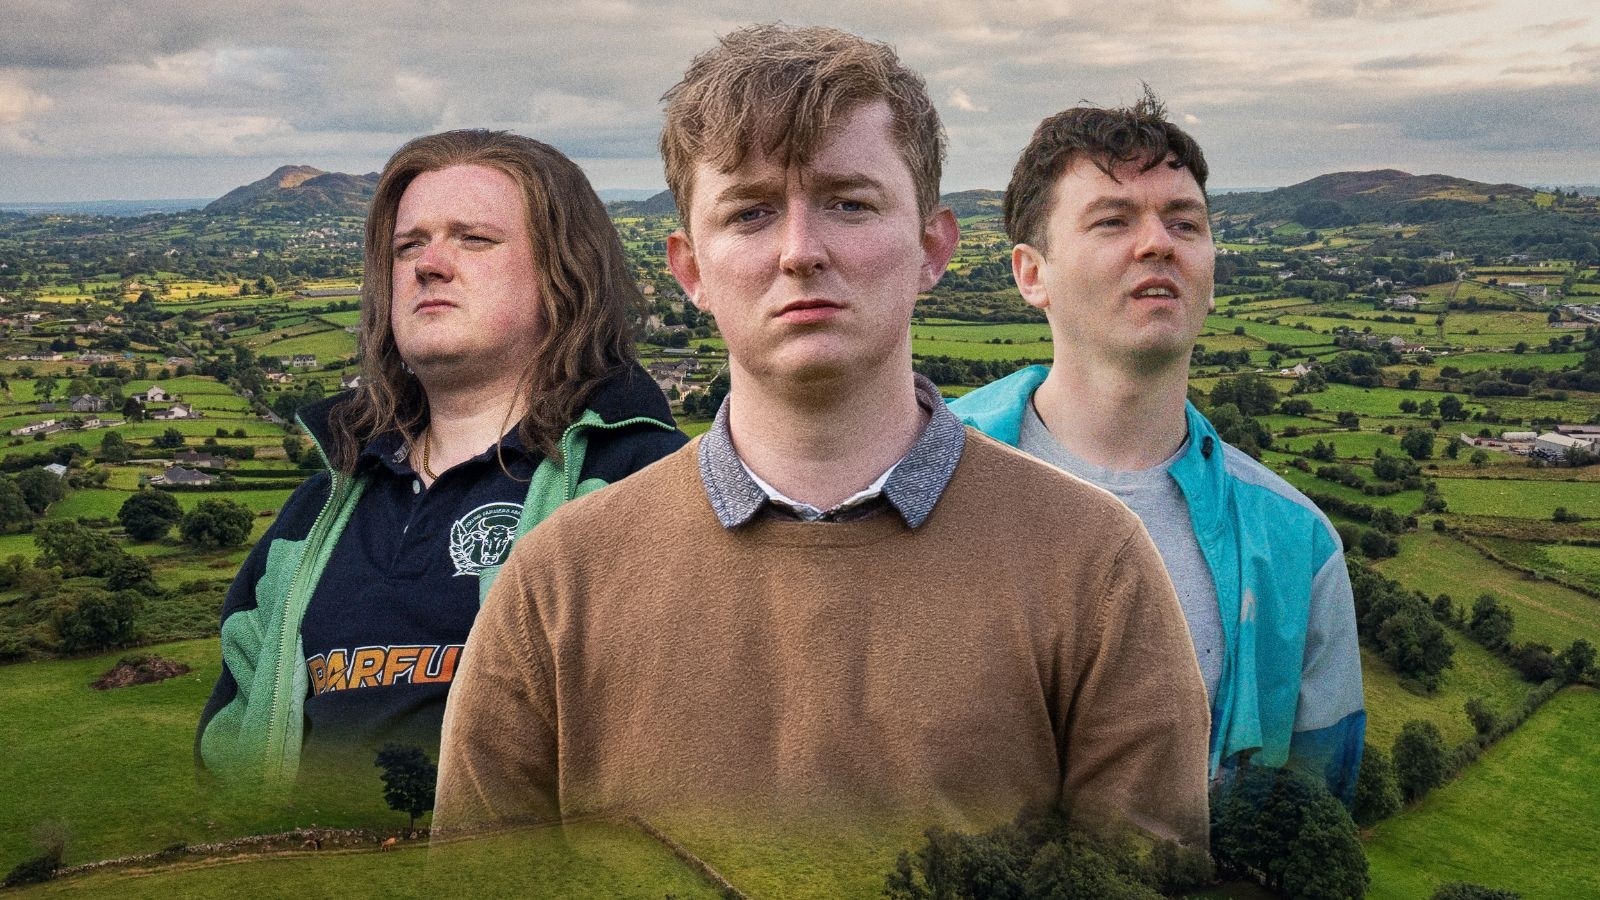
{"type": "Point", "coordinates": [481, 539]}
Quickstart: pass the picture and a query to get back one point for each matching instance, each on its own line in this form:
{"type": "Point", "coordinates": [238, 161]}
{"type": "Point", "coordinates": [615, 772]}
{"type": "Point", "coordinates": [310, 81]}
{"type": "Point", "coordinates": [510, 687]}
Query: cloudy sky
{"type": "Point", "coordinates": [189, 98]}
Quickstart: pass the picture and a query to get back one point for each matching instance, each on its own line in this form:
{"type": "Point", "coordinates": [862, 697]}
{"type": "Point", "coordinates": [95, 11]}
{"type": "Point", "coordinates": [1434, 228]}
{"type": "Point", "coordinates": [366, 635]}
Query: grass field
{"type": "Point", "coordinates": [1347, 444]}
{"type": "Point", "coordinates": [1475, 362]}
{"type": "Point", "coordinates": [1545, 612]}
{"type": "Point", "coordinates": [1476, 673]}
{"type": "Point", "coordinates": [1520, 818]}
{"type": "Point", "coordinates": [1521, 498]}
{"type": "Point", "coordinates": [596, 859]}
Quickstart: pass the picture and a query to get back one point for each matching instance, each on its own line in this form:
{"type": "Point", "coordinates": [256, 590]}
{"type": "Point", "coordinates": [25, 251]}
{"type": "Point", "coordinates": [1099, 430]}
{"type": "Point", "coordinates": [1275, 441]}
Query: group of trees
{"type": "Point", "coordinates": [213, 523]}
{"type": "Point", "coordinates": [1401, 625]}
{"type": "Point", "coordinates": [1283, 830]}
{"type": "Point", "coordinates": [1042, 856]}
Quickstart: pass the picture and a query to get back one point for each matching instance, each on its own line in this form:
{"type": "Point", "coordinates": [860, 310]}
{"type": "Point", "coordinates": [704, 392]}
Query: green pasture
{"type": "Point", "coordinates": [1347, 444]}
{"type": "Point", "coordinates": [1522, 818]}
{"type": "Point", "coordinates": [1378, 401]}
{"type": "Point", "coordinates": [1518, 497]}
{"type": "Point", "coordinates": [822, 860]}
{"type": "Point", "coordinates": [1504, 324]}
{"type": "Point", "coordinates": [592, 859]}
{"type": "Point", "coordinates": [1017, 332]}
{"type": "Point", "coordinates": [1478, 361]}
{"type": "Point", "coordinates": [1476, 673]}
{"type": "Point", "coordinates": [1227, 340]}
{"type": "Point", "coordinates": [1027, 351]}
{"type": "Point", "coordinates": [326, 346]}
{"type": "Point", "coordinates": [1403, 503]}
{"type": "Point", "coordinates": [343, 318]}
{"type": "Point", "coordinates": [1544, 611]}
{"type": "Point", "coordinates": [1360, 326]}
{"type": "Point", "coordinates": [1578, 407]}
{"type": "Point", "coordinates": [1582, 563]}
{"type": "Point", "coordinates": [1268, 332]}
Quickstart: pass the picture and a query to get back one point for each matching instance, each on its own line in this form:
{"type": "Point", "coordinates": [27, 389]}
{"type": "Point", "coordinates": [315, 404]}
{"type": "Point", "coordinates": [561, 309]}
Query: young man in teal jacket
{"type": "Point", "coordinates": [1108, 211]}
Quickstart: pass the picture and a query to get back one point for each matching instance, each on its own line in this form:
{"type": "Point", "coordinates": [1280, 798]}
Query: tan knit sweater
{"type": "Point", "coordinates": [1022, 646]}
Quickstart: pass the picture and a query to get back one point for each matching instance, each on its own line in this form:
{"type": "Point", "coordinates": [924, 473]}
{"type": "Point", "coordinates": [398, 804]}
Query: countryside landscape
{"type": "Point", "coordinates": [1418, 354]}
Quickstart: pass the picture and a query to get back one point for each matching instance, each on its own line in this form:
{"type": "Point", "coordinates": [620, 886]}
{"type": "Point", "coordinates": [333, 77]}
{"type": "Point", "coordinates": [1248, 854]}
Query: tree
{"type": "Point", "coordinates": [39, 488]}
{"type": "Point", "coordinates": [1283, 829]}
{"type": "Point", "coordinates": [13, 506]}
{"type": "Point", "coordinates": [113, 448]}
{"type": "Point", "coordinates": [1251, 393]}
{"type": "Point", "coordinates": [217, 523]}
{"type": "Point", "coordinates": [1377, 793]}
{"type": "Point", "coordinates": [132, 410]}
{"type": "Point", "coordinates": [408, 779]}
{"type": "Point", "coordinates": [1482, 717]}
{"type": "Point", "coordinates": [96, 619]}
{"type": "Point", "coordinates": [1417, 443]}
{"type": "Point", "coordinates": [1479, 459]}
{"type": "Point", "coordinates": [171, 439]}
{"type": "Point", "coordinates": [1450, 408]}
{"type": "Point", "coordinates": [1419, 759]}
{"type": "Point", "coordinates": [148, 515]}
{"type": "Point", "coordinates": [1577, 661]}
{"type": "Point", "coordinates": [1491, 622]}
{"type": "Point", "coordinates": [293, 446]}
{"type": "Point", "coordinates": [72, 548]}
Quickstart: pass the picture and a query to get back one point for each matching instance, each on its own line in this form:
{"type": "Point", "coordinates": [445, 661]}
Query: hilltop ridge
{"type": "Point", "coordinates": [298, 191]}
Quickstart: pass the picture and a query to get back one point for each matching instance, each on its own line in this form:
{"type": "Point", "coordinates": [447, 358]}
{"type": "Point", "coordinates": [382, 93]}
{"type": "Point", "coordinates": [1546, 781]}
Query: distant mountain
{"type": "Point", "coordinates": [299, 191]}
{"type": "Point", "coordinates": [105, 207]}
{"type": "Point", "coordinates": [1383, 195]}
{"type": "Point", "coordinates": [980, 202]}
{"type": "Point", "coordinates": [660, 204]}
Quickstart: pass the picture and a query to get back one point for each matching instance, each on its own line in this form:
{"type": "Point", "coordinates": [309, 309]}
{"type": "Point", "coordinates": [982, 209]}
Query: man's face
{"type": "Point", "coordinates": [1128, 272]}
{"type": "Point", "coordinates": [812, 273]}
{"type": "Point", "coordinates": [463, 277]}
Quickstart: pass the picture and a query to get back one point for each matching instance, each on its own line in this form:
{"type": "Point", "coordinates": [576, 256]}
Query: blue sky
{"type": "Point", "coordinates": [189, 98]}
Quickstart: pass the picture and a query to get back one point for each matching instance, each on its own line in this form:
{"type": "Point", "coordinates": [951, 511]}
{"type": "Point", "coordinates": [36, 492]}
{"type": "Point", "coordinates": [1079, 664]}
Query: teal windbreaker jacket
{"type": "Point", "coordinates": [1290, 692]}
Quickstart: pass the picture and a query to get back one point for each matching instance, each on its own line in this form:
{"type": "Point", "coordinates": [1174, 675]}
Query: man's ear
{"type": "Point", "coordinates": [940, 234]}
{"type": "Point", "coordinates": [1027, 269]}
{"type": "Point", "coordinates": [681, 260]}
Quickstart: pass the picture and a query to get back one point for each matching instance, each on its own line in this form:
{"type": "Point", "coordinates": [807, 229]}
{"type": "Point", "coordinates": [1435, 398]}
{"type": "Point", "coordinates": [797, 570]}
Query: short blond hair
{"type": "Point", "coordinates": [778, 89]}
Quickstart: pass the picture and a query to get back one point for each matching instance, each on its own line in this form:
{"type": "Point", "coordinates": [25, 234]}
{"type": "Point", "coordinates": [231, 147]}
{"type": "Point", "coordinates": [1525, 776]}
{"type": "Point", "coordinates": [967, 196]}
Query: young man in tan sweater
{"type": "Point", "coordinates": [835, 602]}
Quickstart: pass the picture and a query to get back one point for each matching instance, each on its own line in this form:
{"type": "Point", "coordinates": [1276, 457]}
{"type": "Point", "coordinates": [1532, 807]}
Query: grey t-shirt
{"type": "Point", "coordinates": [1154, 496]}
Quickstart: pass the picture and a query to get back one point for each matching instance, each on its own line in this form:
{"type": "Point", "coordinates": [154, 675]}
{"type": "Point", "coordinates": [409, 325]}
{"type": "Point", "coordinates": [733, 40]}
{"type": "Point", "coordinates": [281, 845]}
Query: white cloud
{"type": "Point", "coordinates": [1276, 90]}
{"type": "Point", "coordinates": [963, 101]}
{"type": "Point", "coordinates": [17, 103]}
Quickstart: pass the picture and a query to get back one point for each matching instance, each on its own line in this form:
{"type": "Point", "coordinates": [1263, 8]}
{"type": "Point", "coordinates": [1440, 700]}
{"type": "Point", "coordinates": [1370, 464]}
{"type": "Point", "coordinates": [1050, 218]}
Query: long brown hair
{"type": "Point", "coordinates": [582, 275]}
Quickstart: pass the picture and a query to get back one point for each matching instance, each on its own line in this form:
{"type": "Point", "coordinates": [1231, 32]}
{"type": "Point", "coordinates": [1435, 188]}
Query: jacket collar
{"type": "Point", "coordinates": [626, 394]}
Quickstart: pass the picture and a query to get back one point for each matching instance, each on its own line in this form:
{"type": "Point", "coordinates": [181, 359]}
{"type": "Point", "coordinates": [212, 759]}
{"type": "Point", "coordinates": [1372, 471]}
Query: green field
{"type": "Point", "coordinates": [1476, 673]}
{"type": "Point", "coordinates": [1545, 612]}
{"type": "Point", "coordinates": [1347, 444]}
{"type": "Point", "coordinates": [594, 859]}
{"type": "Point", "coordinates": [1520, 498]}
{"type": "Point", "coordinates": [1521, 818]}
{"type": "Point", "coordinates": [326, 346]}
{"type": "Point", "coordinates": [1475, 362]}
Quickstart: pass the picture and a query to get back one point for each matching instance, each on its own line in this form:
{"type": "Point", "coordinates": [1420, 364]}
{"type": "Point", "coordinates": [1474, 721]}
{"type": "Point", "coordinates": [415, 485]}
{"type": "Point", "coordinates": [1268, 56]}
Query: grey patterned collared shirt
{"type": "Point", "coordinates": [913, 487]}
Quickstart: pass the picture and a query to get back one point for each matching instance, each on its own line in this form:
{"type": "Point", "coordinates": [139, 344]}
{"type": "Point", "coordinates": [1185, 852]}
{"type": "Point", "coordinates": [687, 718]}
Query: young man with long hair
{"type": "Point", "coordinates": [499, 382]}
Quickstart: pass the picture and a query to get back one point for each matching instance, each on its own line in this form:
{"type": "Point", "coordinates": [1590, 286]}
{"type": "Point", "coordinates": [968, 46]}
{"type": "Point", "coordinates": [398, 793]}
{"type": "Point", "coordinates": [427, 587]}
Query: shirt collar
{"type": "Point", "coordinates": [911, 486]}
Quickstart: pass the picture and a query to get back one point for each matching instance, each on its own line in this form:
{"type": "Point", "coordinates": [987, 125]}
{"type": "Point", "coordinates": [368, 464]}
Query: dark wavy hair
{"type": "Point", "coordinates": [1106, 137]}
{"type": "Point", "coordinates": [585, 287]}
